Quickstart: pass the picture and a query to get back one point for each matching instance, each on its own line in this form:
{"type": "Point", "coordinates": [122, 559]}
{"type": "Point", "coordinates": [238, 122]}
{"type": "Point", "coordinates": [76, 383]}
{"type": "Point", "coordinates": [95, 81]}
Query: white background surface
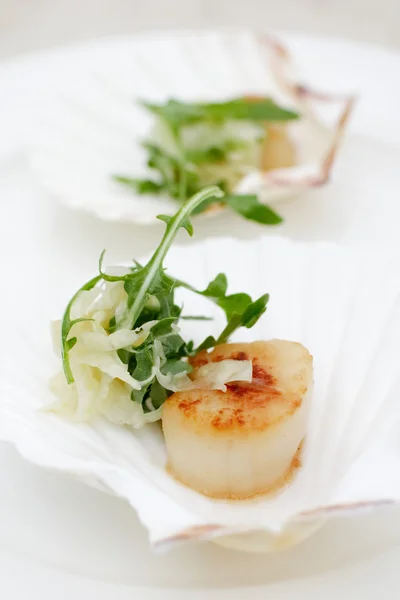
{"type": "Point", "coordinates": [35, 24]}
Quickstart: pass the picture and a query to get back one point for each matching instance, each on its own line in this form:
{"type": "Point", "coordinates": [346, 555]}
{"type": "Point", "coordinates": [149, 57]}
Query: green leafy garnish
{"type": "Point", "coordinates": [67, 323]}
{"type": "Point", "coordinates": [141, 186]}
{"type": "Point", "coordinates": [213, 154]}
{"type": "Point", "coordinates": [239, 309]}
{"type": "Point", "coordinates": [161, 354]}
{"type": "Point", "coordinates": [181, 168]}
{"type": "Point", "coordinates": [249, 207]}
{"type": "Point", "coordinates": [179, 114]}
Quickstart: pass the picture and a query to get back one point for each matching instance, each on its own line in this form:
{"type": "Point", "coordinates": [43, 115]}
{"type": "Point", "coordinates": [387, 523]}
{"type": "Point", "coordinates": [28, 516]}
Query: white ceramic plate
{"type": "Point", "coordinates": [63, 536]}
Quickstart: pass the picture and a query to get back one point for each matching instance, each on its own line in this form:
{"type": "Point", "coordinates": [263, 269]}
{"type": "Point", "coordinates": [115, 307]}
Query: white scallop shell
{"type": "Point", "coordinates": [343, 305]}
{"type": "Point", "coordinates": [91, 127]}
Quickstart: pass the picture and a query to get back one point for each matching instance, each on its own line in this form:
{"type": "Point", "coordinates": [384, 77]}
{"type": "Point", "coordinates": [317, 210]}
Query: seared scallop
{"type": "Point", "coordinates": [278, 150]}
{"type": "Point", "coordinates": [242, 442]}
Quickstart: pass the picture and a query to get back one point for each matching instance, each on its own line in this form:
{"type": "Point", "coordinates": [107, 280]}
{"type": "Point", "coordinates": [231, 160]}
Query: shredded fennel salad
{"type": "Point", "coordinates": [119, 339]}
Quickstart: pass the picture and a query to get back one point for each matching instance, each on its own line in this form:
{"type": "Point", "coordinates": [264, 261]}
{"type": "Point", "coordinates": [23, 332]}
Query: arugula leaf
{"type": "Point", "coordinates": [176, 113]}
{"type": "Point", "coordinates": [239, 309]}
{"type": "Point", "coordinates": [175, 365]}
{"type": "Point", "coordinates": [124, 355]}
{"type": "Point", "coordinates": [217, 287]}
{"type": "Point", "coordinates": [214, 154]}
{"type": "Point", "coordinates": [144, 364]}
{"type": "Point", "coordinates": [163, 330]}
{"type": "Point", "coordinates": [173, 344]}
{"type": "Point", "coordinates": [209, 342]}
{"type": "Point", "coordinates": [173, 173]}
{"type": "Point", "coordinates": [162, 327]}
{"type": "Point", "coordinates": [158, 394]}
{"type": "Point", "coordinates": [66, 325]}
{"type": "Point", "coordinates": [179, 114]}
{"type": "Point", "coordinates": [247, 318]}
{"type": "Point", "coordinates": [235, 303]}
{"type": "Point", "coordinates": [260, 109]}
{"type": "Point", "coordinates": [248, 206]}
{"type": "Point", "coordinates": [140, 396]}
{"type": "Point", "coordinates": [254, 311]}
{"type": "Point", "coordinates": [141, 186]}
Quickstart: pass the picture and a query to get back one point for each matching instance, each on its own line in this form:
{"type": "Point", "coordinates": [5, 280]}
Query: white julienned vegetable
{"type": "Point", "coordinates": [246, 138]}
{"type": "Point", "coordinates": [103, 384]}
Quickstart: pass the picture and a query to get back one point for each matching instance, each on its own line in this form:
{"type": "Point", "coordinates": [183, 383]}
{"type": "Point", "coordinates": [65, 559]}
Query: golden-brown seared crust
{"type": "Point", "coordinates": [244, 406]}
